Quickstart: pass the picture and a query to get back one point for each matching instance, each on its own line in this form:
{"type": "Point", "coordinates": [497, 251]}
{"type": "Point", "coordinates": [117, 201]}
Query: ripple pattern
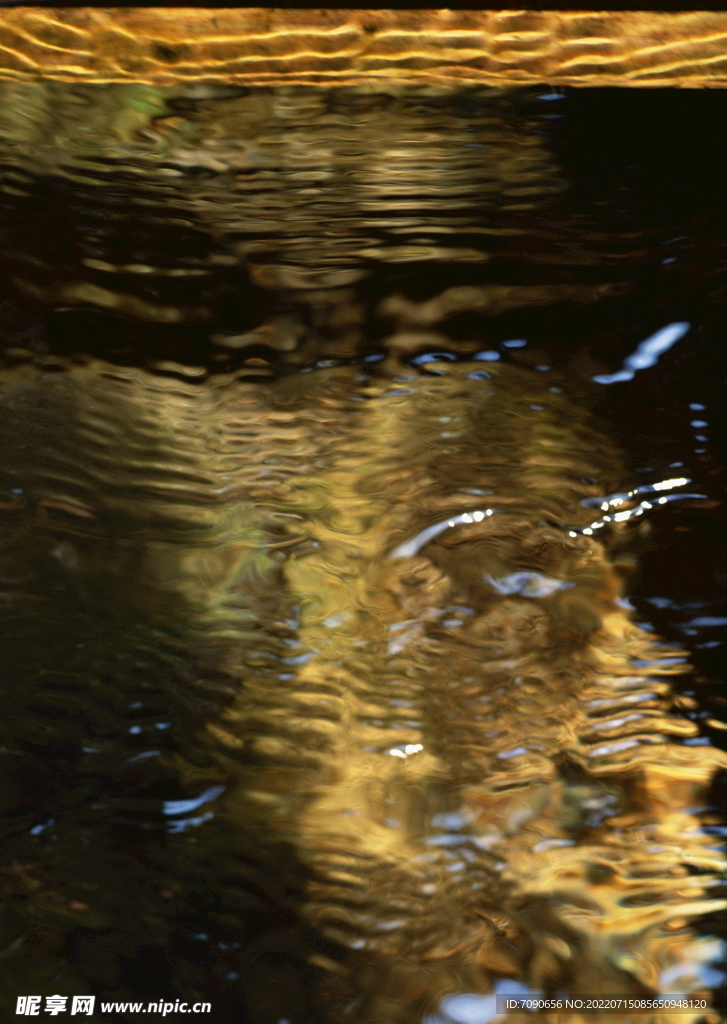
{"type": "Point", "coordinates": [446, 48]}
{"type": "Point", "coordinates": [321, 698]}
{"type": "Point", "coordinates": [456, 777]}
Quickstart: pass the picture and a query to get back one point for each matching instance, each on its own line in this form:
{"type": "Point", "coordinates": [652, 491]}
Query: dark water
{"type": "Point", "coordinates": [363, 554]}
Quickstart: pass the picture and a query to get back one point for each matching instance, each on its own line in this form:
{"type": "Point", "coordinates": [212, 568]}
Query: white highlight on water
{"type": "Point", "coordinates": [414, 546]}
{"type": "Point", "coordinates": [406, 751]}
{"type": "Point", "coordinates": [527, 584]}
{"type": "Point", "coordinates": [185, 806]}
{"type": "Point", "coordinates": [647, 353]}
{"type": "Point", "coordinates": [611, 501]}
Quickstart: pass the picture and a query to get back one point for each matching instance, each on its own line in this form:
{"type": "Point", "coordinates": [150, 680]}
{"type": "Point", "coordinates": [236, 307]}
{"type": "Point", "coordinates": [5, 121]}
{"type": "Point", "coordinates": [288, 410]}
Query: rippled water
{"type": "Point", "coordinates": [362, 519]}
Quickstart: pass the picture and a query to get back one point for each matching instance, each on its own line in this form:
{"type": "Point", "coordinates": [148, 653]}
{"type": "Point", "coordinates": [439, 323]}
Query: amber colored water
{"type": "Point", "coordinates": [362, 550]}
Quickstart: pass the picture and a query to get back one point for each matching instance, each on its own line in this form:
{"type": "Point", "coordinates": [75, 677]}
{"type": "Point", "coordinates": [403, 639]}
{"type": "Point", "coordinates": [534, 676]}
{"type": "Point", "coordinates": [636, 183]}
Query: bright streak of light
{"type": "Point", "coordinates": [647, 353]}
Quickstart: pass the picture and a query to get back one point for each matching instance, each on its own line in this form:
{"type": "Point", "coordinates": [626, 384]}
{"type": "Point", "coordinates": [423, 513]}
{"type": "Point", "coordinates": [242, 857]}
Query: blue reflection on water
{"type": "Point", "coordinates": [647, 353]}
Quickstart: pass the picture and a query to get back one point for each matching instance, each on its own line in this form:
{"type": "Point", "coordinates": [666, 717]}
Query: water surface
{"type": "Point", "coordinates": [361, 520]}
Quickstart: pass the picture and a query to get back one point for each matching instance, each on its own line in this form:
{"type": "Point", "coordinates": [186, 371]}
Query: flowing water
{"type": "Point", "coordinates": [362, 550]}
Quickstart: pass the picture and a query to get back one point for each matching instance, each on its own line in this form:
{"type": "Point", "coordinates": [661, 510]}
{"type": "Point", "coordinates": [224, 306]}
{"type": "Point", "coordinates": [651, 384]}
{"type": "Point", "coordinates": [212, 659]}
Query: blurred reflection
{"type": "Point", "coordinates": [322, 698]}
{"type": "Point", "coordinates": [461, 761]}
{"type": "Point", "coordinates": [227, 224]}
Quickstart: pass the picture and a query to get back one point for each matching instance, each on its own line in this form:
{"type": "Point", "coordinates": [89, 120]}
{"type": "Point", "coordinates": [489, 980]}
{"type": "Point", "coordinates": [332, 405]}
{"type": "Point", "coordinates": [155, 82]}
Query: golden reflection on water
{"type": "Point", "coordinates": [425, 773]}
{"type": "Point", "coordinates": [300, 193]}
{"type": "Point", "coordinates": [276, 733]}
